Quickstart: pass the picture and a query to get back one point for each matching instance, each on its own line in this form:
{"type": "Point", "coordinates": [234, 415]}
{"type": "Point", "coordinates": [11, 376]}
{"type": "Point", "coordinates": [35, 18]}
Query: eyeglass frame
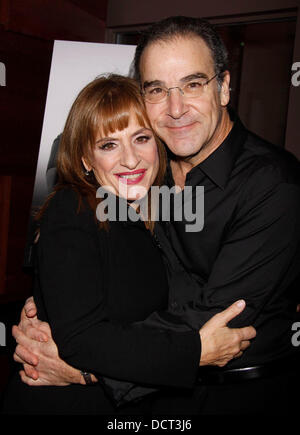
{"type": "Point", "coordinates": [176, 87]}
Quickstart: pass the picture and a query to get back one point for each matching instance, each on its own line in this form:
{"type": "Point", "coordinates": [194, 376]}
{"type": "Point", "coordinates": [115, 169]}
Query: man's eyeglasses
{"type": "Point", "coordinates": [194, 88]}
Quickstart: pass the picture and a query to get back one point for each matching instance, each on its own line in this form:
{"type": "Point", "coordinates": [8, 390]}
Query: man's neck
{"type": "Point", "coordinates": [181, 166]}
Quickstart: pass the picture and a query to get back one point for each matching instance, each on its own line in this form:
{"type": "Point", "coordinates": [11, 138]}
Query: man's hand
{"type": "Point", "coordinates": [219, 343]}
{"type": "Point", "coordinates": [38, 353]}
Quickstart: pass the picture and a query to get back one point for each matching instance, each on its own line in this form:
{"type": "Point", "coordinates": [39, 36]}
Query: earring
{"type": "Point", "coordinates": [87, 173]}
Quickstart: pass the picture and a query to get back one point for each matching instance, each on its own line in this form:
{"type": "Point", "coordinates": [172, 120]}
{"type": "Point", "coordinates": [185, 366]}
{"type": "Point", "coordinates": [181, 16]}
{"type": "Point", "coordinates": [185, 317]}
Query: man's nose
{"type": "Point", "coordinates": [176, 103]}
{"type": "Point", "coordinates": [129, 158]}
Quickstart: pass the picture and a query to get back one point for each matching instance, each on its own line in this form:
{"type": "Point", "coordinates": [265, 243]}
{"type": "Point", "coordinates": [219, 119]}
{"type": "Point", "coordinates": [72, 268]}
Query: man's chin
{"type": "Point", "coordinates": [184, 152]}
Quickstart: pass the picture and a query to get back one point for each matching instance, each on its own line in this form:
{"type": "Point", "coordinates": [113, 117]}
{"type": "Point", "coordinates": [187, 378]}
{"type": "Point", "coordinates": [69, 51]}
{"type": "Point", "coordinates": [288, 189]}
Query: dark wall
{"type": "Point", "coordinates": [141, 12]}
{"type": "Point", "coordinates": [136, 15]}
{"type": "Point", "coordinates": [27, 31]}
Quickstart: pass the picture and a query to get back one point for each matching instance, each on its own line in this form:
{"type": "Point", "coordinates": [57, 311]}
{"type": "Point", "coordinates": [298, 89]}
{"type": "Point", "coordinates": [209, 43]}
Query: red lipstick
{"type": "Point", "coordinates": [131, 177]}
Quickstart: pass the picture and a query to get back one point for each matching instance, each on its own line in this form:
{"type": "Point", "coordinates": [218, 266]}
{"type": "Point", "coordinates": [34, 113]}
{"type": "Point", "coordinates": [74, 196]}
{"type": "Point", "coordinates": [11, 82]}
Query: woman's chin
{"type": "Point", "coordinates": [133, 193]}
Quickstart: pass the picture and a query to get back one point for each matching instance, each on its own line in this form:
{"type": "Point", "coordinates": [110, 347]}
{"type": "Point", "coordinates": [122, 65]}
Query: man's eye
{"type": "Point", "coordinates": [155, 91]}
{"type": "Point", "coordinates": [194, 85]}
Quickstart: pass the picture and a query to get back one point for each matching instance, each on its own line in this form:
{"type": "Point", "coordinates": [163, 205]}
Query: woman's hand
{"type": "Point", "coordinates": [29, 325]}
{"type": "Point", "coordinates": [38, 353]}
{"type": "Point", "coordinates": [49, 369]}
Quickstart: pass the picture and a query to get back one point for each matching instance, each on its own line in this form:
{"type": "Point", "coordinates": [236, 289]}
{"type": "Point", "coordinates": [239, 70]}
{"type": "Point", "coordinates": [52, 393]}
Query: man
{"type": "Point", "coordinates": [249, 246]}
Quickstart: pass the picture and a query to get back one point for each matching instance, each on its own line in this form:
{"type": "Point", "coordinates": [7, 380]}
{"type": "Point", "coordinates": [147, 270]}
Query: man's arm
{"type": "Point", "coordinates": [259, 262]}
{"type": "Point", "coordinates": [70, 260]}
{"type": "Point", "coordinates": [38, 353]}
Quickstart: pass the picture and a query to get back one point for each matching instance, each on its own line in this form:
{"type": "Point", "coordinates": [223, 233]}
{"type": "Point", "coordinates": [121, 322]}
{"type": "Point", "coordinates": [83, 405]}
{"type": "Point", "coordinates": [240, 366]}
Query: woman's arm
{"type": "Point", "coordinates": [219, 343]}
{"type": "Point", "coordinates": [33, 337]}
{"type": "Point", "coordinates": [73, 292]}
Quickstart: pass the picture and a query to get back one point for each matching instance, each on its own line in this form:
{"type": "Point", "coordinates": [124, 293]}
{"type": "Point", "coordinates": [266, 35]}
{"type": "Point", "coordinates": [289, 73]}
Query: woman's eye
{"type": "Point", "coordinates": [107, 146]}
{"type": "Point", "coordinates": [142, 139]}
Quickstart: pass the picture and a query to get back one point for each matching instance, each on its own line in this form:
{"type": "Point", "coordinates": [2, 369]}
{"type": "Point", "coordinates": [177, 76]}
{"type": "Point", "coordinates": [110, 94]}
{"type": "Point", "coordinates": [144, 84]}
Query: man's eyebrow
{"type": "Point", "coordinates": [197, 75]}
{"type": "Point", "coordinates": [153, 83]}
{"type": "Point", "coordinates": [194, 76]}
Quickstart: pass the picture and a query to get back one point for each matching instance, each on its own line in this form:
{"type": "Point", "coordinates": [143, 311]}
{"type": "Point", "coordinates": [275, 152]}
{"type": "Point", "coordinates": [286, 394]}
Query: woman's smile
{"type": "Point", "coordinates": [133, 177]}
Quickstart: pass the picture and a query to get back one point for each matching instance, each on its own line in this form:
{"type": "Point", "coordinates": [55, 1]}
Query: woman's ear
{"type": "Point", "coordinates": [86, 165]}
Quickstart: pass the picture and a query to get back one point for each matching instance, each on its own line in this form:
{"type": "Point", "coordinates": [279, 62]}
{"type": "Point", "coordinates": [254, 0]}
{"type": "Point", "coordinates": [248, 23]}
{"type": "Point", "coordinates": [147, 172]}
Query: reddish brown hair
{"type": "Point", "coordinates": [105, 103]}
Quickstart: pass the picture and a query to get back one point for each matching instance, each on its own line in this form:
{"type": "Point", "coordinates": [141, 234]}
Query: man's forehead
{"type": "Point", "coordinates": [181, 80]}
{"type": "Point", "coordinates": [182, 54]}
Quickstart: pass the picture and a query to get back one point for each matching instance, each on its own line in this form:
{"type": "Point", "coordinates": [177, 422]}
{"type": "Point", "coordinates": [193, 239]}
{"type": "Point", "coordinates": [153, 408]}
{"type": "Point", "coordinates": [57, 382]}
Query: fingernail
{"type": "Point", "coordinates": [241, 303]}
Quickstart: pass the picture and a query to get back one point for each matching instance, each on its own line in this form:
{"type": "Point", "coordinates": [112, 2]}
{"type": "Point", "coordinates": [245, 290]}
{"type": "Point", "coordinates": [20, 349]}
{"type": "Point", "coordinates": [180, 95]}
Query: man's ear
{"type": "Point", "coordinates": [86, 164]}
{"type": "Point", "coordinates": [225, 89]}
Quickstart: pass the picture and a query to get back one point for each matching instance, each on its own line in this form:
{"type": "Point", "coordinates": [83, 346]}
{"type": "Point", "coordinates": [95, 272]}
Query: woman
{"type": "Point", "coordinates": [96, 280]}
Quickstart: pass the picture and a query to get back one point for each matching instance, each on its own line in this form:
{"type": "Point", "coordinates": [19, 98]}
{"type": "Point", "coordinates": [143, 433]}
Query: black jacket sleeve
{"type": "Point", "coordinates": [72, 291]}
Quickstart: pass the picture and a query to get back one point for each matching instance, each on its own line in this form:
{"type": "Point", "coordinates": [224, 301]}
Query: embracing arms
{"type": "Point", "coordinates": [71, 283]}
{"type": "Point", "coordinates": [38, 353]}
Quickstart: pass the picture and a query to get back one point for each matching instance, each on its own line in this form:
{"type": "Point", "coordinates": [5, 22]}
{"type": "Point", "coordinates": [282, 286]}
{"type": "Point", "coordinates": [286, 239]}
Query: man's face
{"type": "Point", "coordinates": [186, 125]}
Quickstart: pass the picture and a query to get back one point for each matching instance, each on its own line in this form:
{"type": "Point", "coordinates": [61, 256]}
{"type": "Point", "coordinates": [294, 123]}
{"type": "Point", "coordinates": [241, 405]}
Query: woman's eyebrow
{"type": "Point", "coordinates": [141, 130]}
{"type": "Point", "coordinates": [104, 139]}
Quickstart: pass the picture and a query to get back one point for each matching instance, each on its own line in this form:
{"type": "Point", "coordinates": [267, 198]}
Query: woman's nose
{"type": "Point", "coordinates": [129, 157]}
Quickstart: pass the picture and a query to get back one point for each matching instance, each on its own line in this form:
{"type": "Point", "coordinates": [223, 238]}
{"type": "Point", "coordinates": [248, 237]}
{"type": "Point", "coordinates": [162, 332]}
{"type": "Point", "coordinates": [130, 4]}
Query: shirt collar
{"type": "Point", "coordinates": [218, 165]}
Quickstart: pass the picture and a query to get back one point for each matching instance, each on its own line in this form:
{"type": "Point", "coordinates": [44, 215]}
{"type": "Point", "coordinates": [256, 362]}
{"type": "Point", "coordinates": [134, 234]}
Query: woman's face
{"type": "Point", "coordinates": [125, 162]}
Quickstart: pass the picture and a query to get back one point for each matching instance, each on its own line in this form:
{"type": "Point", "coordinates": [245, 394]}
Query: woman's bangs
{"type": "Point", "coordinates": [115, 114]}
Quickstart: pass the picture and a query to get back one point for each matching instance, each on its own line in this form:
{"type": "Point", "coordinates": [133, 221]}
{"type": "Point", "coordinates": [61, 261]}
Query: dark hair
{"type": "Point", "coordinates": [107, 104]}
{"type": "Point", "coordinates": [171, 27]}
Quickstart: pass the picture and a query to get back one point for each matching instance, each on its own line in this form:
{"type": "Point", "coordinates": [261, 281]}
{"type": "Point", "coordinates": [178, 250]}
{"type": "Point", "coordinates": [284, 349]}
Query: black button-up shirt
{"type": "Point", "coordinates": [249, 246]}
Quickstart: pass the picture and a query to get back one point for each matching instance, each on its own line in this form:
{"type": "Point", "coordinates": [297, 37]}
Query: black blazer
{"type": "Point", "coordinates": [96, 288]}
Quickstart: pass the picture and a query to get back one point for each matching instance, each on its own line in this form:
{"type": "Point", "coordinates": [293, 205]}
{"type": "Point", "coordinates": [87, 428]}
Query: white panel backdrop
{"type": "Point", "coordinates": [74, 64]}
